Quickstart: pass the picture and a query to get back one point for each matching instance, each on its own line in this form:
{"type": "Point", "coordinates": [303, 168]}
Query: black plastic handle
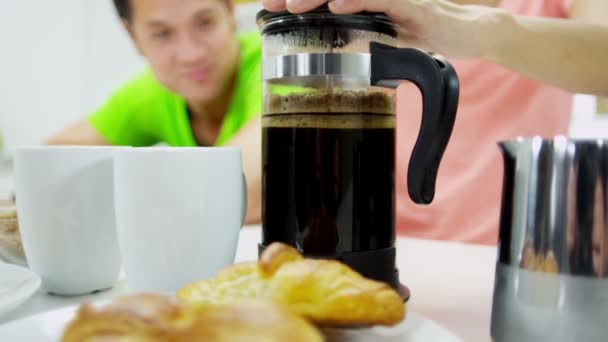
{"type": "Point", "coordinates": [440, 88]}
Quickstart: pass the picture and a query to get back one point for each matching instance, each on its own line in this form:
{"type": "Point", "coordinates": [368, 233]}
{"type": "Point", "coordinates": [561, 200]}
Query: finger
{"type": "Point", "coordinates": [299, 6]}
{"type": "Point", "coordinates": [353, 6]}
{"type": "Point", "coordinates": [274, 5]}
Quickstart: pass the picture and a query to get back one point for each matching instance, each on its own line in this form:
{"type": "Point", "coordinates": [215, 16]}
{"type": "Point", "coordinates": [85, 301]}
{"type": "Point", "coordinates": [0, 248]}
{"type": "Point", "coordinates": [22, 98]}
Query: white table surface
{"type": "Point", "coordinates": [451, 283]}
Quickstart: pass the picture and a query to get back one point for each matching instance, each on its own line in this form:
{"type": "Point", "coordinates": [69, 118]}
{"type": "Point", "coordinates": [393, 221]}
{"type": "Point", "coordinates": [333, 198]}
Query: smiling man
{"type": "Point", "coordinates": [202, 87]}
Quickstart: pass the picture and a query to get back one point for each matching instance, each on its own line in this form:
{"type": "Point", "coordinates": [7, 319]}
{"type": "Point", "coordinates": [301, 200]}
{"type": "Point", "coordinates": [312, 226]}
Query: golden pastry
{"type": "Point", "coordinates": [327, 292]}
{"type": "Point", "coordinates": [156, 318]}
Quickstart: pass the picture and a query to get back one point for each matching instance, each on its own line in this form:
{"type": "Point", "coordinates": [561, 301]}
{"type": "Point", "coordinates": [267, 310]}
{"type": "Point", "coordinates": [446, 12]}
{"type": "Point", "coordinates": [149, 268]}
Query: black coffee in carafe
{"type": "Point", "coordinates": [331, 174]}
{"type": "Point", "coordinates": [329, 134]}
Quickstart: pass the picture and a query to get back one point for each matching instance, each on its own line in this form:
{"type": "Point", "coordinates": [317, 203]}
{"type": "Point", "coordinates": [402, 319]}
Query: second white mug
{"type": "Point", "coordinates": [179, 212]}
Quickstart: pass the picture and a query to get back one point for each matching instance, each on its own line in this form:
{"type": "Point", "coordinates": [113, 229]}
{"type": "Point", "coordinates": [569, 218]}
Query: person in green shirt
{"type": "Point", "coordinates": [202, 87]}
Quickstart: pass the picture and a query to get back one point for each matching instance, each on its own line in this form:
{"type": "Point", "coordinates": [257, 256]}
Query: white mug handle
{"type": "Point", "coordinates": [245, 202]}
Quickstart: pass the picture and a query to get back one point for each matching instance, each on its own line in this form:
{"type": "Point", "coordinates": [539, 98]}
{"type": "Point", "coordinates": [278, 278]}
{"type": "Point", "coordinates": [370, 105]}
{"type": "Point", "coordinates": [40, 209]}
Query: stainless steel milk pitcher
{"type": "Point", "coordinates": [552, 268]}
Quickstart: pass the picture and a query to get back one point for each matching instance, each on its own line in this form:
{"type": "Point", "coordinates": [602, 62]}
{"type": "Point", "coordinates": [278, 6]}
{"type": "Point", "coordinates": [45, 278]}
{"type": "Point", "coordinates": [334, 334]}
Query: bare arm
{"type": "Point", "coordinates": [591, 11]}
{"type": "Point", "coordinates": [568, 53]}
{"type": "Point", "coordinates": [249, 139]}
{"type": "Point", "coordinates": [80, 133]}
{"type": "Point", "coordinates": [571, 54]}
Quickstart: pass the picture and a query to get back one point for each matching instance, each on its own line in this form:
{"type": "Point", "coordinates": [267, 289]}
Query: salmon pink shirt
{"type": "Point", "coordinates": [495, 104]}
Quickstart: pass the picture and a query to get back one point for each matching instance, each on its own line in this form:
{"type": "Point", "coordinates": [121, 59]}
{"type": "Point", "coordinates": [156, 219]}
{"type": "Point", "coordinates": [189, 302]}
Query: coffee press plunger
{"type": "Point", "coordinates": [329, 134]}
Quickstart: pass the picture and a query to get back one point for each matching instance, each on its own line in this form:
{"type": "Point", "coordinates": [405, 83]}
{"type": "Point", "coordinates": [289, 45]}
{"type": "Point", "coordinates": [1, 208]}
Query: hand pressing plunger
{"type": "Point", "coordinates": [535, 47]}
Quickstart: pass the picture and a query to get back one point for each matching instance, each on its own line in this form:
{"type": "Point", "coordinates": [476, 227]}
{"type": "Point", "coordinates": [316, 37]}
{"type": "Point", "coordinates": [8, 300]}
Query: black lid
{"type": "Point", "coordinates": [323, 17]}
{"type": "Point", "coordinates": [265, 15]}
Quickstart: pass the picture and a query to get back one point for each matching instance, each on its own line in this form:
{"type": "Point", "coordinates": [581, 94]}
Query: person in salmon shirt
{"type": "Point", "coordinates": [519, 63]}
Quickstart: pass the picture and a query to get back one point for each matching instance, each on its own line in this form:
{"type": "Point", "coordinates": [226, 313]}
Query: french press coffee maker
{"type": "Point", "coordinates": [329, 134]}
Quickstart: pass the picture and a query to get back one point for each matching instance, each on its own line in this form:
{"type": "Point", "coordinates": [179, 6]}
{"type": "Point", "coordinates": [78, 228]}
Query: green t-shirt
{"type": "Point", "coordinates": [143, 112]}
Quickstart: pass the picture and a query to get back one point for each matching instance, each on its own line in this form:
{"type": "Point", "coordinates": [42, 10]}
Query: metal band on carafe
{"type": "Point", "coordinates": [317, 64]}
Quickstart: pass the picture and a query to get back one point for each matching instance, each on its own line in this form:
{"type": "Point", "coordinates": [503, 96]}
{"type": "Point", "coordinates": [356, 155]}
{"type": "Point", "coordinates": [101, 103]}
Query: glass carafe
{"type": "Point", "coordinates": [329, 134]}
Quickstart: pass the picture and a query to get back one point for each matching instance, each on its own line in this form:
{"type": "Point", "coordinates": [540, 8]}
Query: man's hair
{"type": "Point", "coordinates": [123, 7]}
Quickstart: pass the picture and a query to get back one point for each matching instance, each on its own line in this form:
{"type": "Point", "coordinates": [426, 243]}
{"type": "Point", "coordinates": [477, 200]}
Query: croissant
{"type": "Point", "coordinates": [326, 292]}
{"type": "Point", "coordinates": [156, 318]}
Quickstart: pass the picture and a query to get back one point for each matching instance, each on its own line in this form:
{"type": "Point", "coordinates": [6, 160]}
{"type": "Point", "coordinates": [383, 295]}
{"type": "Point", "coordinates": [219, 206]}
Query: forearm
{"type": "Point", "coordinates": [568, 54]}
{"type": "Point", "coordinates": [80, 133]}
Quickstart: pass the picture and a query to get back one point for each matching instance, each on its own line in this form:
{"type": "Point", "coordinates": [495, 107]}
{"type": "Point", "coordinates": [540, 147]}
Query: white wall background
{"type": "Point", "coordinates": [60, 59]}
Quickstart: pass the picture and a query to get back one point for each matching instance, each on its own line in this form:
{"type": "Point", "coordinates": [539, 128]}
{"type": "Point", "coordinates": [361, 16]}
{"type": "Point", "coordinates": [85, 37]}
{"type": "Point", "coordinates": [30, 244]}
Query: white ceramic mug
{"type": "Point", "coordinates": [65, 205]}
{"type": "Point", "coordinates": [179, 212]}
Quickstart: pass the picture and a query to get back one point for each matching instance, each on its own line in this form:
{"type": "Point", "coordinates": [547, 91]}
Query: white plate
{"type": "Point", "coordinates": [48, 327]}
{"type": "Point", "coordinates": [17, 284]}
{"type": "Point", "coordinates": [415, 328]}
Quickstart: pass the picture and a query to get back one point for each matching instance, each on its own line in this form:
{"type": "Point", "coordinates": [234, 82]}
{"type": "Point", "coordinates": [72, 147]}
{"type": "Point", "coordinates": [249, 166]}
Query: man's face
{"type": "Point", "coordinates": [189, 44]}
